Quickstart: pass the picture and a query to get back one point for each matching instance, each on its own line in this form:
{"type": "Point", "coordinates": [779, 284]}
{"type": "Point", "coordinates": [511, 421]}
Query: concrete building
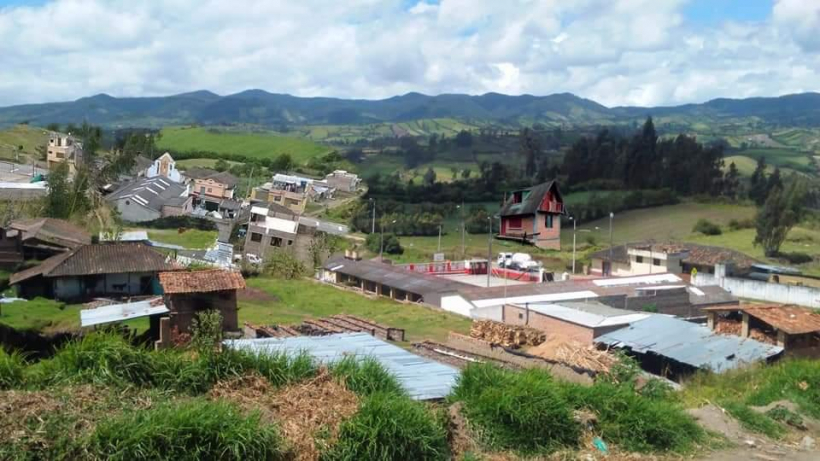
{"type": "Point", "coordinates": [88, 271]}
{"type": "Point", "coordinates": [579, 322]}
{"type": "Point", "coordinates": [187, 293]}
{"type": "Point", "coordinates": [165, 167]}
{"type": "Point", "coordinates": [533, 216]}
{"type": "Point", "coordinates": [211, 185]}
{"type": "Point", "coordinates": [648, 258]}
{"type": "Point", "coordinates": [343, 181]}
{"type": "Point", "coordinates": [64, 148]}
{"type": "Point", "coordinates": [275, 228]}
{"type": "Point", "coordinates": [151, 198]}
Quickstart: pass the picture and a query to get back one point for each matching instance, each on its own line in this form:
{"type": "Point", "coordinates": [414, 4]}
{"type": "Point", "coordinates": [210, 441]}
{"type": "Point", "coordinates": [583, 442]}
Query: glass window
{"type": "Point", "coordinates": [275, 242]}
{"type": "Point", "coordinates": [656, 262]}
{"type": "Point", "coordinates": [639, 259]}
{"type": "Point", "coordinates": [256, 237]}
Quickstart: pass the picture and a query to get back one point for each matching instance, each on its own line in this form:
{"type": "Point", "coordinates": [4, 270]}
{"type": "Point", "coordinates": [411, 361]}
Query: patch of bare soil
{"type": "Point", "coordinates": [302, 410]}
{"type": "Point", "coordinates": [256, 295]}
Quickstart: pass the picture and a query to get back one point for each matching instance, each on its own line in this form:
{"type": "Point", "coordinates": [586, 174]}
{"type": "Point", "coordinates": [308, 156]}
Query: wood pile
{"type": "Point", "coordinates": [506, 335]}
{"type": "Point", "coordinates": [326, 326]}
{"type": "Point", "coordinates": [576, 355]}
{"type": "Point", "coordinates": [270, 331]}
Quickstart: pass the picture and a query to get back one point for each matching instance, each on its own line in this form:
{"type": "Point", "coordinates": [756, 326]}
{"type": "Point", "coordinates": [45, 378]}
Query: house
{"type": "Point", "coordinates": [103, 269]}
{"type": "Point", "coordinates": [11, 248]}
{"type": "Point", "coordinates": [676, 348]}
{"type": "Point", "coordinates": [45, 237]}
{"type": "Point", "coordinates": [64, 148]}
{"type": "Point", "coordinates": [164, 167]}
{"type": "Point", "coordinates": [289, 191]}
{"type": "Point", "coordinates": [794, 328]}
{"type": "Point", "coordinates": [151, 198]}
{"type": "Point", "coordinates": [277, 228]}
{"type": "Point", "coordinates": [213, 190]}
{"type": "Point", "coordinates": [343, 181]}
{"type": "Point", "coordinates": [579, 321]}
{"type": "Point", "coordinates": [187, 293]}
{"type": "Point", "coordinates": [533, 216]}
{"type": "Point", "coordinates": [646, 258]}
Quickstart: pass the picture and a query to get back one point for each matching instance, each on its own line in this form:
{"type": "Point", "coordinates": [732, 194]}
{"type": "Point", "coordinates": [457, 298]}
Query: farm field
{"type": "Point", "coordinates": [350, 133]}
{"type": "Point", "coordinates": [273, 301]}
{"type": "Point", "coordinates": [783, 158]}
{"type": "Point", "coordinates": [200, 163]}
{"type": "Point", "coordinates": [248, 144]}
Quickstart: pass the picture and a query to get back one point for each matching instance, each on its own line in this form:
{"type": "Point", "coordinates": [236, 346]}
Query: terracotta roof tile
{"type": "Point", "coordinates": [200, 281]}
{"type": "Point", "coordinates": [52, 230]}
{"type": "Point", "coordinates": [793, 320]}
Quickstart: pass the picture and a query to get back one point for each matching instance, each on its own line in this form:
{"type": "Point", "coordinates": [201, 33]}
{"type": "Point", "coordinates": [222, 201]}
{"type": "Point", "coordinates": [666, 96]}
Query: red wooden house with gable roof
{"type": "Point", "coordinates": [534, 216]}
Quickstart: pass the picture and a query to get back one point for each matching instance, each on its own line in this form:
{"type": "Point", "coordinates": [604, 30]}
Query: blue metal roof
{"type": "Point", "coordinates": [423, 379]}
{"type": "Point", "coordinates": [689, 343]}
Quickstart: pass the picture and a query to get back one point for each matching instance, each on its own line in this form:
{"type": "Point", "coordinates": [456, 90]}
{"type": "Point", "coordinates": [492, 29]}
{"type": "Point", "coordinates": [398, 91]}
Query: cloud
{"type": "Point", "coordinates": [624, 52]}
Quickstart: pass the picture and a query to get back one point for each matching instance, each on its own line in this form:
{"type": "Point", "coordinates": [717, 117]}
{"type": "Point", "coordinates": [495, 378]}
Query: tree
{"type": "Point", "coordinates": [92, 141]}
{"type": "Point", "coordinates": [465, 173]}
{"type": "Point", "coordinates": [464, 139]}
{"type": "Point", "coordinates": [391, 243]}
{"type": "Point", "coordinates": [59, 192]}
{"type": "Point", "coordinates": [429, 177]}
{"type": "Point", "coordinates": [454, 172]}
{"type": "Point", "coordinates": [758, 187]}
{"type": "Point", "coordinates": [781, 211]}
{"type": "Point", "coordinates": [282, 163]}
{"type": "Point", "coordinates": [774, 181]}
{"type": "Point", "coordinates": [731, 182]}
{"type": "Point", "coordinates": [530, 148]}
{"type": "Point", "coordinates": [53, 127]}
{"type": "Point", "coordinates": [221, 165]}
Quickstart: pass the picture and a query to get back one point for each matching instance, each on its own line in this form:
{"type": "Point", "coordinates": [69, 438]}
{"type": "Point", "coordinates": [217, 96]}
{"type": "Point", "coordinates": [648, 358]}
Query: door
{"type": "Point", "coordinates": [607, 268]}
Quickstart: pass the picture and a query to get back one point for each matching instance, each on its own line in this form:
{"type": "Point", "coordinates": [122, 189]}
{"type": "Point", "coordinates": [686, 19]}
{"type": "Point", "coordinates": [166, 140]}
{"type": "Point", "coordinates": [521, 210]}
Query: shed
{"type": "Point", "coordinates": [45, 237]}
{"type": "Point", "coordinates": [423, 379]}
{"type": "Point", "coordinates": [187, 293]}
{"type": "Point", "coordinates": [795, 328]}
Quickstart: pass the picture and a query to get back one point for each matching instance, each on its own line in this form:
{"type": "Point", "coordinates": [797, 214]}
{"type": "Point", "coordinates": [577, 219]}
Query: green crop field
{"type": "Point", "coordinates": [200, 162]}
{"type": "Point", "coordinates": [347, 133]}
{"type": "Point", "coordinates": [783, 158]}
{"type": "Point", "coordinates": [249, 144]}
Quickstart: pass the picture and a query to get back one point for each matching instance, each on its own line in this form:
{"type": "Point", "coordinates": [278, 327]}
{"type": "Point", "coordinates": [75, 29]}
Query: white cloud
{"type": "Point", "coordinates": [624, 52]}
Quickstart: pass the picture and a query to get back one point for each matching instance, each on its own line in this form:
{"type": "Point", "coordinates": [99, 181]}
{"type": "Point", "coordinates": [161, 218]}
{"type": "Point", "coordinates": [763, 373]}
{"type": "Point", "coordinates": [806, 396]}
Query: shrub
{"type": "Point", "coordinates": [522, 411]}
{"type": "Point", "coordinates": [754, 421]}
{"type": "Point", "coordinates": [736, 224]}
{"type": "Point", "coordinates": [282, 264]}
{"type": "Point", "coordinates": [391, 244]}
{"type": "Point", "coordinates": [177, 222]}
{"type": "Point", "coordinates": [192, 430]}
{"type": "Point", "coordinates": [366, 376]}
{"type": "Point", "coordinates": [207, 331]}
{"type": "Point", "coordinates": [11, 369]}
{"type": "Point", "coordinates": [387, 427]}
{"type": "Point", "coordinates": [796, 257]}
{"type": "Point", "coordinates": [706, 227]}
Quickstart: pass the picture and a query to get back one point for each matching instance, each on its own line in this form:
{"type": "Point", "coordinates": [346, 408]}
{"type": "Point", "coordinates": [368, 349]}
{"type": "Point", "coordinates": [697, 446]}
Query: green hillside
{"type": "Point", "coordinates": [25, 136]}
{"type": "Point", "coordinates": [256, 145]}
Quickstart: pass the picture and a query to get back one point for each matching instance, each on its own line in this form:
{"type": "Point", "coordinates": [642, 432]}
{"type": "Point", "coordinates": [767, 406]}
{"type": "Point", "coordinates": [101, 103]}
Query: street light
{"type": "Point", "coordinates": [461, 214]}
{"type": "Point", "coordinates": [373, 222]}
{"type": "Point", "coordinates": [439, 238]}
{"type": "Point", "coordinates": [611, 216]}
{"type": "Point", "coordinates": [489, 248]}
{"type": "Point", "coordinates": [381, 243]}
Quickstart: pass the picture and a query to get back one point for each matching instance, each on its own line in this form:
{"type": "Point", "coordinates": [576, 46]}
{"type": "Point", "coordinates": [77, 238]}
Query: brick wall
{"type": "Point", "coordinates": [514, 315]}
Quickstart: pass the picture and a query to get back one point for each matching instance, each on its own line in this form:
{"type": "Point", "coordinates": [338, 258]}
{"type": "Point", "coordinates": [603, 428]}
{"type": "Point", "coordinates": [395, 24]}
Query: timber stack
{"type": "Point", "coordinates": [506, 335]}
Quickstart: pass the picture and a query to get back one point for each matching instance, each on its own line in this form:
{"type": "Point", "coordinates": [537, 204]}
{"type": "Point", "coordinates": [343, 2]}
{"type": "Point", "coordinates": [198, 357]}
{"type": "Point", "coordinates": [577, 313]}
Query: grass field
{"type": "Point", "coordinates": [49, 316]}
{"type": "Point", "coordinates": [783, 158]}
{"type": "Point", "coordinates": [28, 137]}
{"type": "Point", "coordinates": [193, 239]}
{"type": "Point", "coordinates": [342, 133]}
{"type": "Point", "coordinates": [252, 145]}
{"type": "Point", "coordinates": [200, 162]}
{"type": "Point", "coordinates": [293, 300]}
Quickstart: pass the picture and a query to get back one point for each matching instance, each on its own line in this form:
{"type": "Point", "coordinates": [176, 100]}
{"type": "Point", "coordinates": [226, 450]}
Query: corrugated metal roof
{"type": "Point", "coordinates": [588, 314]}
{"type": "Point", "coordinates": [689, 343]}
{"type": "Point", "coordinates": [423, 379]}
{"type": "Point", "coordinates": [537, 298]}
{"type": "Point", "coordinates": [120, 312]}
{"type": "Point", "coordinates": [637, 280]}
{"type": "Point", "coordinates": [392, 276]}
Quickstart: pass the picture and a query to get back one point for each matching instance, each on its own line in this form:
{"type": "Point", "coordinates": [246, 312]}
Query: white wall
{"type": "Point", "coordinates": [457, 305]}
{"type": "Point", "coordinates": [762, 291]}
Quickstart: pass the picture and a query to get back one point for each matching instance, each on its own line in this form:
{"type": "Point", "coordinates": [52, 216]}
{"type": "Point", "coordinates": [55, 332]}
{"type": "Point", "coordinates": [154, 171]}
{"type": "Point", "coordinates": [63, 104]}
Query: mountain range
{"type": "Point", "coordinates": [270, 109]}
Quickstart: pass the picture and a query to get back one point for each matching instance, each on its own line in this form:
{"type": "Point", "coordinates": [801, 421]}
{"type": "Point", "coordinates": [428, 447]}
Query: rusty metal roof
{"type": "Point", "coordinates": [203, 281]}
{"type": "Point", "coordinates": [794, 320]}
{"type": "Point", "coordinates": [56, 231]}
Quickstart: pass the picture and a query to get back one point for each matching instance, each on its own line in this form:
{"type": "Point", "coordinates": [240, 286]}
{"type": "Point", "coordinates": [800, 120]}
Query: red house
{"type": "Point", "coordinates": [534, 216]}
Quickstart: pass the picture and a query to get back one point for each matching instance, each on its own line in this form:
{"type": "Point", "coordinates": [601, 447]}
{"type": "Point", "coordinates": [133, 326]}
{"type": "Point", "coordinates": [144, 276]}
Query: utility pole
{"type": "Point", "coordinates": [574, 222]}
{"type": "Point", "coordinates": [611, 215]}
{"type": "Point", "coordinates": [489, 249]}
{"type": "Point", "coordinates": [463, 231]}
{"type": "Point", "coordinates": [439, 238]}
{"type": "Point", "coordinates": [373, 223]}
{"type": "Point", "coordinates": [250, 181]}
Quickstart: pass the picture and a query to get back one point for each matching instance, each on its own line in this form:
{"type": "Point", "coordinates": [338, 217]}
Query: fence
{"type": "Point", "coordinates": [762, 291]}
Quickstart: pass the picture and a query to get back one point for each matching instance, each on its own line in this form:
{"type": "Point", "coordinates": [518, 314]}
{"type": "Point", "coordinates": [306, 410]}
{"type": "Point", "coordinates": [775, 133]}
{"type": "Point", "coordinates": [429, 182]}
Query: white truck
{"type": "Point", "coordinates": [518, 261]}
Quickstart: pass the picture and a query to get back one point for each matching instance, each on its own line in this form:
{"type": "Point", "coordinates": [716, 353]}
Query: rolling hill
{"type": "Point", "coordinates": [258, 107]}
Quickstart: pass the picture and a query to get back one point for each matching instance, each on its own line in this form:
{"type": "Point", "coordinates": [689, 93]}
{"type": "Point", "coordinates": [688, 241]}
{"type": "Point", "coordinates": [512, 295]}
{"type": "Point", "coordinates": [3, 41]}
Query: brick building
{"type": "Point", "coordinates": [188, 293]}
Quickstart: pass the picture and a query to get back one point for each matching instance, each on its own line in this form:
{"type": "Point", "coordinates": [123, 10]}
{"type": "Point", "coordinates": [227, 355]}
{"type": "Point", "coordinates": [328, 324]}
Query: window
{"type": "Point", "coordinates": [639, 259]}
{"type": "Point", "coordinates": [548, 221]}
{"type": "Point", "coordinates": [290, 242]}
{"type": "Point", "coordinates": [518, 197]}
{"type": "Point", "coordinates": [209, 190]}
{"type": "Point", "coordinates": [520, 315]}
{"type": "Point", "coordinates": [128, 202]}
{"type": "Point", "coordinates": [277, 199]}
{"type": "Point", "coordinates": [656, 262]}
{"type": "Point", "coordinates": [275, 242]}
{"type": "Point", "coordinates": [256, 237]}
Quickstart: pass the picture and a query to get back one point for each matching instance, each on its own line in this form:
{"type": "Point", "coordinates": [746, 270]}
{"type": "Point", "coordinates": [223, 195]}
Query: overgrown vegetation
{"type": "Point", "coordinates": [706, 227]}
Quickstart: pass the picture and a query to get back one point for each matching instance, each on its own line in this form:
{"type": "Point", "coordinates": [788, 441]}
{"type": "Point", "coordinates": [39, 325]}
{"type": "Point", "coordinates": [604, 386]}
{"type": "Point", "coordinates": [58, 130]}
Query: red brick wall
{"type": "Point", "coordinates": [553, 327]}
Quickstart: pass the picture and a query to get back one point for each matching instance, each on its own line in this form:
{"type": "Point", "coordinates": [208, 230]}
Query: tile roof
{"type": "Point", "coordinates": [222, 177]}
{"type": "Point", "coordinates": [697, 254]}
{"type": "Point", "coordinates": [689, 343]}
{"type": "Point", "coordinates": [203, 281]}
{"type": "Point", "coordinates": [56, 231]}
{"type": "Point", "coordinates": [793, 320]}
{"type": "Point", "coordinates": [530, 203]}
{"type": "Point", "coordinates": [152, 193]}
{"type": "Point", "coordinates": [101, 258]}
{"type": "Point", "coordinates": [423, 379]}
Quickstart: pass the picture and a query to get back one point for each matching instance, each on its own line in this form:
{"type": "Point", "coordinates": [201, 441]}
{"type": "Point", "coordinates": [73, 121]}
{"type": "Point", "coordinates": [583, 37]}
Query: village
{"type": "Point", "coordinates": [676, 310]}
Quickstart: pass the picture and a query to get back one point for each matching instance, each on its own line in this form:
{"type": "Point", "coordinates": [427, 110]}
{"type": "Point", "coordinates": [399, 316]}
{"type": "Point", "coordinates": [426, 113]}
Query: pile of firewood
{"type": "Point", "coordinates": [575, 354]}
{"type": "Point", "coordinates": [506, 335]}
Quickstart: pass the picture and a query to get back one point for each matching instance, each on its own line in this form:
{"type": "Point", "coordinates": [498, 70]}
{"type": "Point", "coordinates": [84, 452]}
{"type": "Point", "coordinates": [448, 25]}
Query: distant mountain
{"type": "Point", "coordinates": [262, 108]}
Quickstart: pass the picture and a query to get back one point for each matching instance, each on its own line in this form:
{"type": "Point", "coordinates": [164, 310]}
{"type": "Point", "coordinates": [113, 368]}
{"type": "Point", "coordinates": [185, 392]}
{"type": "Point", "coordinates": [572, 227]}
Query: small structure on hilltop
{"type": "Point", "coordinates": [117, 269]}
{"type": "Point", "coordinates": [647, 258]}
{"type": "Point", "coordinates": [165, 167]}
{"type": "Point", "coordinates": [795, 328]}
{"type": "Point", "coordinates": [45, 237]}
{"type": "Point", "coordinates": [151, 198]}
{"type": "Point", "coordinates": [343, 181]}
{"type": "Point", "coordinates": [64, 148]}
{"type": "Point", "coordinates": [187, 293]}
{"type": "Point", "coordinates": [533, 216]}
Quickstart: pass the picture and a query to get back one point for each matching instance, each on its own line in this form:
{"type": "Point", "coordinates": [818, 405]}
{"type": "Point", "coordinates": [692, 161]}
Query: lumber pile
{"type": "Point", "coordinates": [326, 326]}
{"type": "Point", "coordinates": [576, 355]}
{"type": "Point", "coordinates": [506, 335]}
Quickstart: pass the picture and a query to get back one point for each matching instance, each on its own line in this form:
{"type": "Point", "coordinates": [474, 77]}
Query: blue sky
{"type": "Point", "coordinates": [616, 52]}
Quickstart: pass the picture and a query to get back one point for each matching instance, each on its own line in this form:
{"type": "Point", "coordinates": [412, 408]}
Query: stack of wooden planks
{"type": "Point", "coordinates": [506, 335]}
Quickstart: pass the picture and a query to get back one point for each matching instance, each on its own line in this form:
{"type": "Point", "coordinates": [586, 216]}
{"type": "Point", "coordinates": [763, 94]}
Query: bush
{"type": "Point", "coordinates": [391, 244]}
{"type": "Point", "coordinates": [754, 421]}
{"type": "Point", "coordinates": [387, 427]}
{"type": "Point", "coordinates": [283, 264]}
{"type": "Point", "coordinates": [736, 224]}
{"type": "Point", "coordinates": [191, 430]}
{"type": "Point", "coordinates": [521, 411]}
{"type": "Point", "coordinates": [177, 222]}
{"type": "Point", "coordinates": [796, 257]}
{"type": "Point", "coordinates": [366, 376]}
{"type": "Point", "coordinates": [11, 369]}
{"type": "Point", "coordinates": [706, 227]}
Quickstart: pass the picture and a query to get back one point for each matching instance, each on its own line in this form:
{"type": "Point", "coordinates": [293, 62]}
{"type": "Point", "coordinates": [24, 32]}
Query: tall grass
{"type": "Point", "coordinates": [389, 427]}
{"type": "Point", "coordinates": [522, 411]}
{"type": "Point", "coordinates": [754, 421]}
{"type": "Point", "coordinates": [11, 369]}
{"type": "Point", "coordinates": [366, 376]}
{"type": "Point", "coordinates": [192, 430]}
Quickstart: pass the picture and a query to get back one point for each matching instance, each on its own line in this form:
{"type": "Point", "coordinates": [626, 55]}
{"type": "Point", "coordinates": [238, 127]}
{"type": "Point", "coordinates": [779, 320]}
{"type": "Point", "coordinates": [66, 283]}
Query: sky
{"type": "Point", "coordinates": [616, 52]}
